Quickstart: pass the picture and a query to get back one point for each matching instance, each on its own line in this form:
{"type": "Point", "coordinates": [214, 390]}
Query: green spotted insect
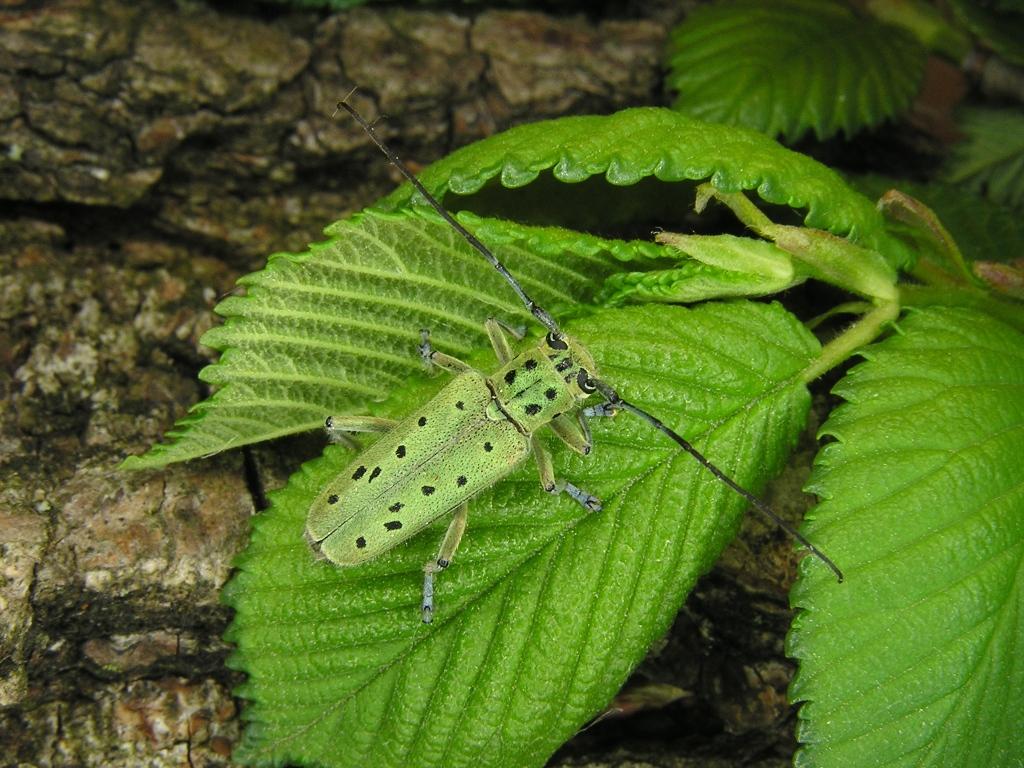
{"type": "Point", "coordinates": [472, 434]}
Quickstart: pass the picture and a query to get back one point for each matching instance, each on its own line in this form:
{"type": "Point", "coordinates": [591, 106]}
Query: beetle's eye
{"type": "Point", "coordinates": [555, 342]}
{"type": "Point", "coordinates": [583, 382]}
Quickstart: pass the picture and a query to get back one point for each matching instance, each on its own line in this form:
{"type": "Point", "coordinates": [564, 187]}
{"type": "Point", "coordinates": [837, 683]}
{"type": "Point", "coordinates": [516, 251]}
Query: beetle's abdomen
{"type": "Point", "coordinates": [431, 462]}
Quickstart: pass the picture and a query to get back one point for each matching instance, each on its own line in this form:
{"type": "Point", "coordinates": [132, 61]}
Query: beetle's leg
{"type": "Point", "coordinates": [553, 485]}
{"type": "Point", "coordinates": [574, 432]}
{"type": "Point", "coordinates": [496, 330]}
{"type": "Point", "coordinates": [338, 426]}
{"type": "Point", "coordinates": [449, 544]}
{"type": "Point", "coordinates": [499, 341]}
{"type": "Point", "coordinates": [598, 411]}
{"type": "Point", "coordinates": [518, 332]}
{"type": "Point", "coordinates": [432, 358]}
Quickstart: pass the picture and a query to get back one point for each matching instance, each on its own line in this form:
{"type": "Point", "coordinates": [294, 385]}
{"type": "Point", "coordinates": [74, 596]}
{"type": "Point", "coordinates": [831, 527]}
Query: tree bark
{"type": "Point", "coordinates": [151, 154]}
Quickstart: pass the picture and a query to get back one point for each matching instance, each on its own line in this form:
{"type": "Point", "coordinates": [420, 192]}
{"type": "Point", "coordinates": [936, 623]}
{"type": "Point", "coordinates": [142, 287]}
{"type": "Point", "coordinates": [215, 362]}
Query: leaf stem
{"type": "Point", "coordinates": [849, 308]}
{"type": "Point", "coordinates": [858, 335]}
{"type": "Point", "coordinates": [1010, 312]}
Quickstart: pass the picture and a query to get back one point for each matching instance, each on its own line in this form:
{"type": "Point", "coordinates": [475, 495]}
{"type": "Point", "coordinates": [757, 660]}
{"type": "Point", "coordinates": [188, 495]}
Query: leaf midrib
{"type": "Point", "coordinates": [415, 643]}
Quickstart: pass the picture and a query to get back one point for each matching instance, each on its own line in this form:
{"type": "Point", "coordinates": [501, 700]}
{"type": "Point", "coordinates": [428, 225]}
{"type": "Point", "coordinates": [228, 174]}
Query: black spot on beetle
{"type": "Point", "coordinates": [532, 409]}
{"type": "Point", "coordinates": [488, 447]}
{"type": "Point", "coordinates": [461, 481]}
{"type": "Point", "coordinates": [400, 451]}
{"type": "Point", "coordinates": [396, 506]}
{"type": "Point", "coordinates": [393, 525]}
{"type": "Point", "coordinates": [332, 499]}
{"type": "Point", "coordinates": [550, 393]}
{"type": "Point", "coordinates": [360, 543]}
{"type": "Point", "coordinates": [530, 364]}
{"type": "Point", "coordinates": [460, 405]}
{"type": "Point", "coordinates": [422, 421]}
{"type": "Point", "coordinates": [427, 490]}
{"type": "Point", "coordinates": [510, 376]}
{"type": "Point", "coordinates": [556, 342]}
{"type": "Point", "coordinates": [583, 382]}
{"type": "Point", "coordinates": [566, 363]}
{"type": "Point", "coordinates": [359, 473]}
{"type": "Point", "coordinates": [373, 475]}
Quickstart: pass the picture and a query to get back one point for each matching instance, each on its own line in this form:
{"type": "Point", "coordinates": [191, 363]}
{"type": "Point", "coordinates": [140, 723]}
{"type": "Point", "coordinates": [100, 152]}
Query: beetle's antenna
{"type": "Point", "coordinates": [617, 402]}
{"type": "Point", "coordinates": [549, 322]}
{"type": "Point", "coordinates": [537, 311]}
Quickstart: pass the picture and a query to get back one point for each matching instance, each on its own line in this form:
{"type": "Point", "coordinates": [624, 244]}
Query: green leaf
{"type": "Point", "coordinates": [335, 328]}
{"type": "Point", "coordinates": [546, 608]}
{"type": "Point", "coordinates": [554, 242]}
{"type": "Point", "coordinates": [686, 281]}
{"type": "Point", "coordinates": [915, 660]}
{"type": "Point", "coordinates": [641, 143]}
{"type": "Point", "coordinates": [1000, 25]}
{"type": "Point", "coordinates": [928, 23]}
{"type": "Point", "coordinates": [266, 391]}
{"type": "Point", "coordinates": [990, 161]}
{"type": "Point", "coordinates": [710, 267]}
{"type": "Point", "coordinates": [983, 230]}
{"type": "Point", "coordinates": [788, 66]}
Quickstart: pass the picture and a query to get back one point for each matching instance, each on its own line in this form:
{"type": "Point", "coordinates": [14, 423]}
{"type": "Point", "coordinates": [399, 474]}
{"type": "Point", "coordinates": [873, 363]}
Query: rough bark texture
{"type": "Point", "coordinates": [152, 153]}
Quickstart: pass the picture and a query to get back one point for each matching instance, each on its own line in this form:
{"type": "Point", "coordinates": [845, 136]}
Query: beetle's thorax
{"type": "Point", "coordinates": [541, 383]}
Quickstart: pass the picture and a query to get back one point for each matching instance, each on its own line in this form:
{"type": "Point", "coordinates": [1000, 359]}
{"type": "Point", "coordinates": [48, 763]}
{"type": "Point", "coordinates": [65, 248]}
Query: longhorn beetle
{"type": "Point", "coordinates": [416, 472]}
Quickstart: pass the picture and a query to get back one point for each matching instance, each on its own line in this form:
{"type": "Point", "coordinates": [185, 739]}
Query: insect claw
{"type": "Point", "coordinates": [426, 350]}
{"type": "Point", "coordinates": [586, 500]}
{"type": "Point", "coordinates": [427, 608]}
{"type": "Point", "coordinates": [600, 411]}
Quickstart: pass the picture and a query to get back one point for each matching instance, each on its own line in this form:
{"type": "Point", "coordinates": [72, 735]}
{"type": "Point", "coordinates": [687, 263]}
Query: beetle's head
{"type": "Point", "coordinates": [574, 362]}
